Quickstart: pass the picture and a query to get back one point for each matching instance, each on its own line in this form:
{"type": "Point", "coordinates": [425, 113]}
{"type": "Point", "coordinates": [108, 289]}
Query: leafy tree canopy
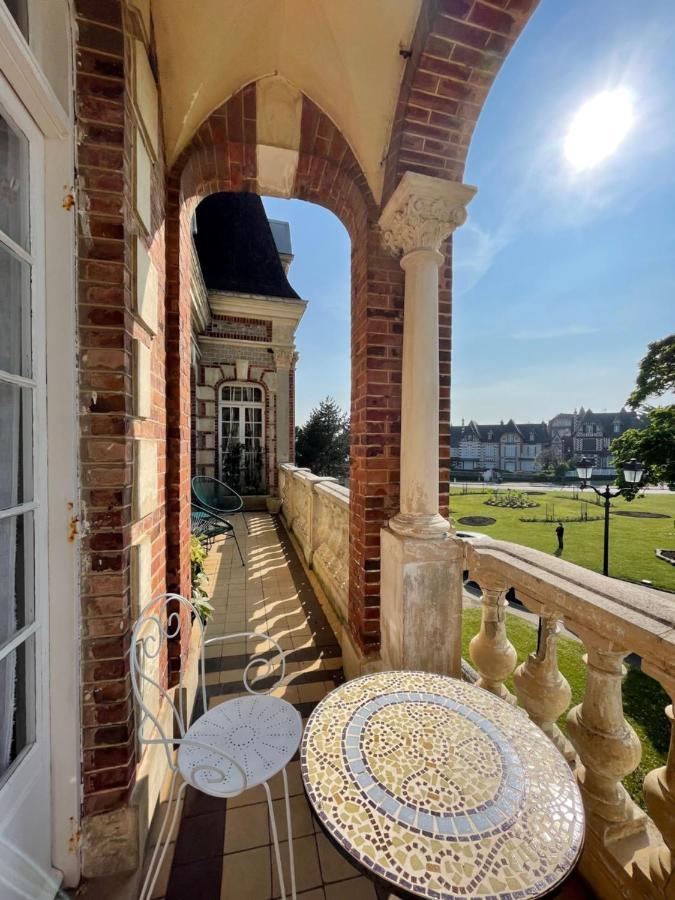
{"type": "Point", "coordinates": [653, 446]}
{"type": "Point", "coordinates": [656, 373]}
{"type": "Point", "coordinates": [322, 443]}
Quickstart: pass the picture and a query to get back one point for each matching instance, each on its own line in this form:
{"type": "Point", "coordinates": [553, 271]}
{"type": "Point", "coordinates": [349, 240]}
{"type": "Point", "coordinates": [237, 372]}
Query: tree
{"type": "Point", "coordinates": [653, 446]}
{"type": "Point", "coordinates": [560, 469]}
{"type": "Point", "coordinates": [656, 373]}
{"type": "Point", "coordinates": [322, 443]}
{"type": "Point", "coordinates": [546, 459]}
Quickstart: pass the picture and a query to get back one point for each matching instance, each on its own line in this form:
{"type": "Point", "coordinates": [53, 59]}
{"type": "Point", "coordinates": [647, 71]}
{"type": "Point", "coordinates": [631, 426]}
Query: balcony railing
{"type": "Point", "coordinates": [628, 852]}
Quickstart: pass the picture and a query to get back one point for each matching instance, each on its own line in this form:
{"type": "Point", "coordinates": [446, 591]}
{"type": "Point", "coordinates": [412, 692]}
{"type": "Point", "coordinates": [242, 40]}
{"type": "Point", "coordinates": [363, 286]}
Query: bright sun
{"type": "Point", "coordinates": [598, 128]}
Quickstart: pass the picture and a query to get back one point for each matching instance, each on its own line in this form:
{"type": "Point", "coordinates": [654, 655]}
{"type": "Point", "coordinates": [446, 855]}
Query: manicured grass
{"type": "Point", "coordinates": [632, 541]}
{"type": "Point", "coordinates": [644, 700]}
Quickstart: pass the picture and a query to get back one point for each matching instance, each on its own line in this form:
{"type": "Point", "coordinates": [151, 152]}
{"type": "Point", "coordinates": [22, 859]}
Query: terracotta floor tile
{"type": "Point", "coordinates": [334, 867]}
{"type": "Point", "coordinates": [246, 827]}
{"type": "Point", "coordinates": [302, 821]}
{"type": "Point", "coordinates": [307, 871]}
{"type": "Point", "coordinates": [199, 838]}
{"type": "Point", "coordinates": [354, 889]}
{"type": "Point", "coordinates": [198, 879]}
{"type": "Point", "coordinates": [245, 876]}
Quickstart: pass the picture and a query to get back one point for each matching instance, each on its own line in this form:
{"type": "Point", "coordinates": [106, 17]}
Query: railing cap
{"type": "Point", "coordinates": [631, 616]}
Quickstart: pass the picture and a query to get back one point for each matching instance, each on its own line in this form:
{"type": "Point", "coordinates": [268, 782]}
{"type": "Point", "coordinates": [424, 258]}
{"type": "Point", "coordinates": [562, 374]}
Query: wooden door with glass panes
{"type": "Point", "coordinates": [241, 462]}
{"type": "Point", "coordinates": [25, 787]}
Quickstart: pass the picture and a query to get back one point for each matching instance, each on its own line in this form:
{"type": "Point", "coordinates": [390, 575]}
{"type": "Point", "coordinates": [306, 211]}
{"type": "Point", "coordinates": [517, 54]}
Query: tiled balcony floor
{"type": "Point", "coordinates": [222, 849]}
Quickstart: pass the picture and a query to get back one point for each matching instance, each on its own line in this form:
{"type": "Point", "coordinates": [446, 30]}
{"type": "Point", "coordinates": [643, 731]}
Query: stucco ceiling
{"type": "Point", "coordinates": [343, 54]}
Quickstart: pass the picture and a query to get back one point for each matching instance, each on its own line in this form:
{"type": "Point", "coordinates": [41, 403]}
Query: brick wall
{"type": "Point", "coordinates": [107, 328]}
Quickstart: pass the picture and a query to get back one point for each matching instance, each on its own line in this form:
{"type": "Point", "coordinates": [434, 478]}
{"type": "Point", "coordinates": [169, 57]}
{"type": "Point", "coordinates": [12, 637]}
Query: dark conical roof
{"type": "Point", "coordinates": [236, 248]}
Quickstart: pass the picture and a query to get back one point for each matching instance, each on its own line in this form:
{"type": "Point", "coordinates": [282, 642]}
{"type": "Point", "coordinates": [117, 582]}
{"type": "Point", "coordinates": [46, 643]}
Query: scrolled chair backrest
{"type": "Point", "coordinates": [160, 621]}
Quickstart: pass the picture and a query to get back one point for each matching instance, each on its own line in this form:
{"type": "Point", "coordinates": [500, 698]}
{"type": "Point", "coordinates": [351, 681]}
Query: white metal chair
{"type": "Point", "coordinates": [239, 744]}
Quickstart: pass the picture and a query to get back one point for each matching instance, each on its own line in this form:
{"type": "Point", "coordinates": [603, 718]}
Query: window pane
{"type": "Point", "coordinates": [17, 713]}
{"type": "Point", "coordinates": [14, 314]}
{"type": "Point", "coordinates": [16, 444]}
{"type": "Point", "coordinates": [16, 575]}
{"type": "Point", "coordinates": [19, 11]}
{"type": "Point", "coordinates": [13, 181]}
{"type": "Point", "coordinates": [226, 393]}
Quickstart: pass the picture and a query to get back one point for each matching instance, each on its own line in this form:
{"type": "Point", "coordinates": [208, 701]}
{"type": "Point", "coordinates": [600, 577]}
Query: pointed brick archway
{"type": "Point", "coordinates": [222, 157]}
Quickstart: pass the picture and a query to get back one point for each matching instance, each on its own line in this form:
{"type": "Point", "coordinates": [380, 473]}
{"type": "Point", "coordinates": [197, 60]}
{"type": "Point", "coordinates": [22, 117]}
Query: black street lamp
{"type": "Point", "coordinates": [632, 473]}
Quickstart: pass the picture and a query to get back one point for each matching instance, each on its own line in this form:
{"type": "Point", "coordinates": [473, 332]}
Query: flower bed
{"type": "Point", "coordinates": [510, 500]}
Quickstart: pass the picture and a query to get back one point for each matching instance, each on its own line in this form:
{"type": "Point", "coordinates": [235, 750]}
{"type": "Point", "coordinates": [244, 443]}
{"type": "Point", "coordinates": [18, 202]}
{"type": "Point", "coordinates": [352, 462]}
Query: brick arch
{"type": "Point", "coordinates": [456, 52]}
{"type": "Point", "coordinates": [222, 157]}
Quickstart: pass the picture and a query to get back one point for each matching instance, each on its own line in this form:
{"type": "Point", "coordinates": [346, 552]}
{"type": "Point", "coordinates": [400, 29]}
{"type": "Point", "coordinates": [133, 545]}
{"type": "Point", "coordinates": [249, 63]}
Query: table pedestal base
{"type": "Point", "coordinates": [421, 603]}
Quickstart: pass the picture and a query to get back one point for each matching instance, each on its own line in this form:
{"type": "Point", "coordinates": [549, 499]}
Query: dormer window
{"type": "Point", "coordinates": [617, 428]}
{"type": "Point", "coordinates": [489, 435]}
{"type": "Point", "coordinates": [532, 436]}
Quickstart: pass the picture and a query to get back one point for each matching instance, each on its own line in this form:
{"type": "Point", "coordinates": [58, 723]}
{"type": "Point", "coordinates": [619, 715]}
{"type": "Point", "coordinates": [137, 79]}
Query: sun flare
{"type": "Point", "coordinates": [598, 128]}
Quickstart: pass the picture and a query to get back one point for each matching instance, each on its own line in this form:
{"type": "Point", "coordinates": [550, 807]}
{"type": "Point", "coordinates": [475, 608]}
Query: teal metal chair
{"type": "Point", "coordinates": [217, 497]}
{"type": "Point", "coordinates": [207, 527]}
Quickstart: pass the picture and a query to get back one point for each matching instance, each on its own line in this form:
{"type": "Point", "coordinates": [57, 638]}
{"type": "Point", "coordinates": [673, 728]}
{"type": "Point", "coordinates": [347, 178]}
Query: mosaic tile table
{"type": "Point", "coordinates": [441, 790]}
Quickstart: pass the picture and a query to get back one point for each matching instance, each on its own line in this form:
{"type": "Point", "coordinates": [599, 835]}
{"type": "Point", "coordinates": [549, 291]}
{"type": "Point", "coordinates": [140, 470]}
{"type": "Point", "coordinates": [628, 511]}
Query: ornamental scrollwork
{"type": "Point", "coordinates": [422, 224]}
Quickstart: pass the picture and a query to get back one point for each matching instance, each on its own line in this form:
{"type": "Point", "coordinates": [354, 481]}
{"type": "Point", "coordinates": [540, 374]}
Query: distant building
{"type": "Point", "coordinates": [510, 447]}
{"type": "Point", "coordinates": [516, 447]}
{"type": "Point", "coordinates": [594, 432]}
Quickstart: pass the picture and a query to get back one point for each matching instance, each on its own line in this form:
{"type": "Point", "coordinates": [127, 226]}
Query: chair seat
{"type": "Point", "coordinates": [261, 733]}
{"type": "Point", "coordinates": [208, 523]}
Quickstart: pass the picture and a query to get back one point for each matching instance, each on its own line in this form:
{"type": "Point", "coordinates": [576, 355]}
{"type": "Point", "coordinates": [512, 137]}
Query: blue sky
{"type": "Point", "coordinates": [561, 277]}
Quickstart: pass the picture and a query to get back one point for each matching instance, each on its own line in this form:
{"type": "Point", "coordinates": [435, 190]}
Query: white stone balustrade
{"type": "Point", "coordinates": [627, 853]}
{"type": "Point", "coordinates": [316, 512]}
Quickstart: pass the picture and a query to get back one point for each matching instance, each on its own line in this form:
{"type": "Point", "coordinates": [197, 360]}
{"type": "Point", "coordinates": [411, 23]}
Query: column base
{"type": "Point", "coordinates": [418, 526]}
{"type": "Point", "coordinates": [421, 603]}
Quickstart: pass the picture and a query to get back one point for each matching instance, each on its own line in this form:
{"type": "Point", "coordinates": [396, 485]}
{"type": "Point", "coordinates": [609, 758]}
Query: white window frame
{"type": "Point", "coordinates": [242, 404]}
{"type": "Point", "coordinates": [23, 77]}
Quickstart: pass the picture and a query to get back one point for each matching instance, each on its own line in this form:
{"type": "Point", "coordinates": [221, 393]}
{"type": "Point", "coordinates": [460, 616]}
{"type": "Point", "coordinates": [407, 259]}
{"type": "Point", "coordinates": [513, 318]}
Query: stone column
{"type": "Point", "coordinates": [284, 358]}
{"type": "Point", "coordinates": [421, 563]}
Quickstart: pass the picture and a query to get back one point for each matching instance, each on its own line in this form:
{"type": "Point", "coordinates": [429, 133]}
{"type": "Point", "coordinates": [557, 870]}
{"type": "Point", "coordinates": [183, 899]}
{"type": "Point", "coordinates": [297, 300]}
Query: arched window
{"type": "Point", "coordinates": [242, 437]}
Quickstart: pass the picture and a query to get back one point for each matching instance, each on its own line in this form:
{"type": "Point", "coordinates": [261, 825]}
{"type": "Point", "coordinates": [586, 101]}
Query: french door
{"type": "Point", "coordinates": [241, 438]}
{"type": "Point", "coordinates": [25, 786]}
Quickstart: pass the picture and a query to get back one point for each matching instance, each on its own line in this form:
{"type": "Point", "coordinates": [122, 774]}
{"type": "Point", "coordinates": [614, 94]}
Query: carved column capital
{"type": "Point", "coordinates": [285, 357]}
{"type": "Point", "coordinates": [422, 212]}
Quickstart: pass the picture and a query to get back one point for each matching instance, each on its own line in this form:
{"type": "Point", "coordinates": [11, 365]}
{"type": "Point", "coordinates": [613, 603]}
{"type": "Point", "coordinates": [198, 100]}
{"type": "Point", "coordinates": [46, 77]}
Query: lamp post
{"type": "Point", "coordinates": [632, 473]}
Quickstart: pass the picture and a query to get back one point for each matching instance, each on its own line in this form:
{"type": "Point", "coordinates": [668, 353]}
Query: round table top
{"type": "Point", "coordinates": [441, 789]}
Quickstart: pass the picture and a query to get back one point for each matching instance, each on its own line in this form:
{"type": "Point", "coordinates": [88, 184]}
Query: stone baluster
{"type": "Point", "coordinates": [608, 747]}
{"type": "Point", "coordinates": [491, 651]}
{"type": "Point", "coordinates": [659, 793]}
{"type": "Point", "coordinates": [540, 686]}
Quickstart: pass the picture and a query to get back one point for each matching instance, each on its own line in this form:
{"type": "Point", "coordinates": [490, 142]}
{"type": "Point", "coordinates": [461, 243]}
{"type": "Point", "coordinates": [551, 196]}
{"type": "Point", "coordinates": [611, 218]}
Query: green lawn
{"type": "Point", "coordinates": [644, 700]}
{"type": "Point", "coordinates": [631, 545]}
